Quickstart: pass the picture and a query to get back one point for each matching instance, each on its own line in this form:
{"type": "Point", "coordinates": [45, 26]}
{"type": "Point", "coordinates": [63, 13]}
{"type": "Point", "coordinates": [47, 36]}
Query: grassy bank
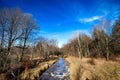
{"type": "Point", "coordinates": [93, 69]}
{"type": "Point", "coordinates": [29, 69]}
{"type": "Point", "coordinates": [36, 72]}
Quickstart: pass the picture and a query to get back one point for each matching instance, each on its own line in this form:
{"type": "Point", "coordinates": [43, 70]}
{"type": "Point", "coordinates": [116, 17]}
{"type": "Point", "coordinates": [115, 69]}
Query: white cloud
{"type": "Point", "coordinates": [90, 19]}
{"type": "Point", "coordinates": [29, 14]}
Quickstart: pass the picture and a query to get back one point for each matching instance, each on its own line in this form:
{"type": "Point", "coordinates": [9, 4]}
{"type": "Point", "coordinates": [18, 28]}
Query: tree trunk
{"type": "Point", "coordinates": [107, 49]}
{"type": "Point", "coordinates": [80, 56]}
{"type": "Point", "coordinates": [21, 58]}
{"type": "Point", "coordinates": [2, 40]}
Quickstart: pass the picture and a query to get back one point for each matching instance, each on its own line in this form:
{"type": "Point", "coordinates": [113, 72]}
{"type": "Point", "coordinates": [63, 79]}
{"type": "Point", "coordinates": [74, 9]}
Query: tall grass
{"type": "Point", "coordinates": [93, 69]}
{"type": "Point", "coordinates": [32, 74]}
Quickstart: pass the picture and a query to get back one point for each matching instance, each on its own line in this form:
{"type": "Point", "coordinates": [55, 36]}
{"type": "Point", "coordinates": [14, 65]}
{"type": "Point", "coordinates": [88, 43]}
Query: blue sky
{"type": "Point", "coordinates": [60, 19]}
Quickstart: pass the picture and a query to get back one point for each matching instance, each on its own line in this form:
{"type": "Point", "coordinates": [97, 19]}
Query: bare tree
{"type": "Point", "coordinates": [29, 25]}
{"type": "Point", "coordinates": [11, 27]}
{"type": "Point", "coordinates": [14, 24]}
{"type": "Point", "coordinates": [3, 25]}
{"type": "Point", "coordinates": [106, 34]}
{"type": "Point", "coordinates": [79, 48]}
{"type": "Point", "coordinates": [100, 38]}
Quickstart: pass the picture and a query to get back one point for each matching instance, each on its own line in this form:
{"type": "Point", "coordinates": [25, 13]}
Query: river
{"type": "Point", "coordinates": [58, 71]}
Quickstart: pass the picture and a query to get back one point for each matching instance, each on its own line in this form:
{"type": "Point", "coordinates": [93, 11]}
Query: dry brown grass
{"type": "Point", "coordinates": [3, 77]}
{"type": "Point", "coordinates": [30, 74]}
{"type": "Point", "coordinates": [93, 69]}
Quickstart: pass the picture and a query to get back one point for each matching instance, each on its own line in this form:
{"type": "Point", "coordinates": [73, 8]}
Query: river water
{"type": "Point", "coordinates": [58, 71]}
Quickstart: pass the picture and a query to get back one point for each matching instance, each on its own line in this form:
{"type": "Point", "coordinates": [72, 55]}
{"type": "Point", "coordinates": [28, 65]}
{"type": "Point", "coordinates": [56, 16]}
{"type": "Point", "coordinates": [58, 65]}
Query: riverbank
{"type": "Point", "coordinates": [29, 69]}
{"type": "Point", "coordinates": [35, 73]}
{"type": "Point", "coordinates": [93, 69]}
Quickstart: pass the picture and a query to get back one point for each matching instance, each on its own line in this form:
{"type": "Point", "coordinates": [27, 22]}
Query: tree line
{"type": "Point", "coordinates": [46, 47]}
{"type": "Point", "coordinates": [18, 37]}
{"type": "Point", "coordinates": [104, 41]}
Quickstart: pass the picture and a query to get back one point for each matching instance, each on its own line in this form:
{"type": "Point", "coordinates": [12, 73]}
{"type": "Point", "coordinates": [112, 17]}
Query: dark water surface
{"type": "Point", "coordinates": [57, 71]}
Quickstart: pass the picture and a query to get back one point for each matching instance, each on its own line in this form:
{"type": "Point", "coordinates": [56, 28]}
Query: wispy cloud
{"type": "Point", "coordinates": [29, 14]}
{"type": "Point", "coordinates": [85, 20]}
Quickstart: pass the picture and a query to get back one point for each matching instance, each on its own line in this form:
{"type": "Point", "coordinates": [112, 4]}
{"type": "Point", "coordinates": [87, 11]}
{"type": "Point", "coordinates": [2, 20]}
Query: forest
{"type": "Point", "coordinates": [21, 49]}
